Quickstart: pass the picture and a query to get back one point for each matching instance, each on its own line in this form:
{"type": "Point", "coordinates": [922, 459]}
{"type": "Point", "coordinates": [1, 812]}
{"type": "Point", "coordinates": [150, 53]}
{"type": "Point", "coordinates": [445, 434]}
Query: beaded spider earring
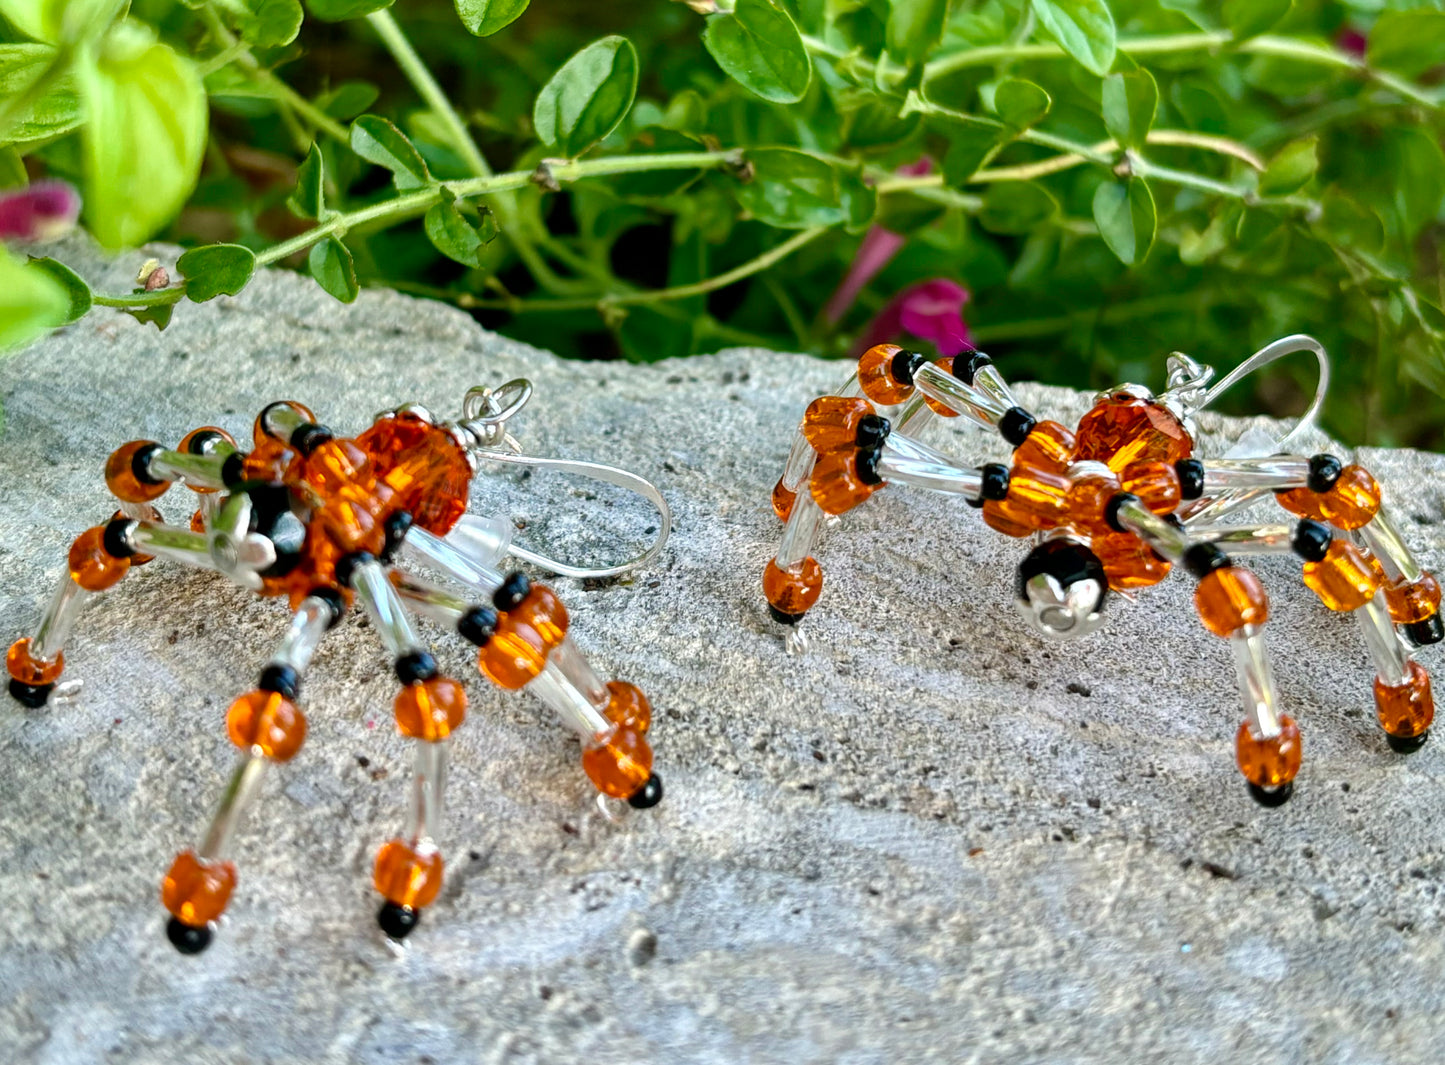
{"type": "Point", "coordinates": [376, 519]}
{"type": "Point", "coordinates": [1114, 505]}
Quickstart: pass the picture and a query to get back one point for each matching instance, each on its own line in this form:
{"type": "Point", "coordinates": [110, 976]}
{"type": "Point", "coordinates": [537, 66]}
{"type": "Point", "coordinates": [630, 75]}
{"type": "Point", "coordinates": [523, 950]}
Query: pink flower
{"type": "Point", "coordinates": [930, 310]}
{"type": "Point", "coordinates": [1351, 41]}
{"type": "Point", "coordinates": [43, 211]}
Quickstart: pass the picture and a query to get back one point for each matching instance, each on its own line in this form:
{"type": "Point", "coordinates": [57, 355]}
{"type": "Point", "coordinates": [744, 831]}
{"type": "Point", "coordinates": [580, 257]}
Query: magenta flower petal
{"type": "Point", "coordinates": [1351, 41]}
{"type": "Point", "coordinates": [931, 311]}
{"type": "Point", "coordinates": [43, 211]}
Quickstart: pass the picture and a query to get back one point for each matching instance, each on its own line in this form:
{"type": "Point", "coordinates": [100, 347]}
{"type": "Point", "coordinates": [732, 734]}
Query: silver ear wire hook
{"type": "Point", "coordinates": [485, 413]}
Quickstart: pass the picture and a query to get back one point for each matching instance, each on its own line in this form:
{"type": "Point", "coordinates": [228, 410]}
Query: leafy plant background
{"type": "Point", "coordinates": [1110, 181]}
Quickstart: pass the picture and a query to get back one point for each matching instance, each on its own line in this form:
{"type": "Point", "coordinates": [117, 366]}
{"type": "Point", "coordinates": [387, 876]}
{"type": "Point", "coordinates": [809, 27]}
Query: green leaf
{"type": "Point", "coordinates": [486, 17]}
{"type": "Point", "coordinates": [55, 113]}
{"type": "Point", "coordinates": [457, 238]}
{"type": "Point", "coordinates": [1083, 28]}
{"type": "Point", "coordinates": [1346, 222]}
{"type": "Point", "coordinates": [309, 199]}
{"type": "Point", "coordinates": [588, 97]}
{"type": "Point", "coordinates": [795, 190]}
{"type": "Point", "coordinates": [270, 23]}
{"type": "Point", "coordinates": [759, 47]}
{"type": "Point", "coordinates": [1130, 102]}
{"type": "Point", "coordinates": [1417, 169]}
{"type": "Point", "coordinates": [1020, 103]}
{"type": "Point", "coordinates": [143, 141]}
{"type": "Point", "coordinates": [52, 21]}
{"type": "Point", "coordinates": [377, 141]}
{"type": "Point", "coordinates": [1249, 18]}
{"type": "Point", "coordinates": [1407, 42]}
{"type": "Point", "coordinates": [1124, 213]}
{"type": "Point", "coordinates": [32, 302]}
{"type": "Point", "coordinates": [1015, 207]}
{"type": "Point", "coordinates": [348, 99]}
{"type": "Point", "coordinates": [216, 270]}
{"type": "Point", "coordinates": [915, 27]}
{"type": "Point", "coordinates": [339, 10]}
{"type": "Point", "coordinates": [77, 292]}
{"type": "Point", "coordinates": [12, 169]}
{"type": "Point", "coordinates": [969, 148]}
{"type": "Point", "coordinates": [158, 315]}
{"type": "Point", "coordinates": [333, 269]}
{"type": "Point", "coordinates": [1291, 169]}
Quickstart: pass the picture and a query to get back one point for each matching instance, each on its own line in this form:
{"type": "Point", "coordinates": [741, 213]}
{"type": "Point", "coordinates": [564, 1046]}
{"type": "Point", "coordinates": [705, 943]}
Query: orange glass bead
{"type": "Point", "coordinates": [91, 565]}
{"type": "Point", "coordinates": [1405, 710]}
{"type": "Point", "coordinates": [946, 365]}
{"type": "Point", "coordinates": [1417, 601]}
{"type": "Point", "coordinates": [271, 460]}
{"type": "Point", "coordinates": [1088, 499]}
{"type": "Point", "coordinates": [350, 518]}
{"type": "Point", "coordinates": [627, 706]}
{"type": "Point", "coordinates": [258, 431]}
{"type": "Point", "coordinates": [513, 656]}
{"type": "Point", "coordinates": [185, 446]}
{"type": "Point", "coordinates": [832, 421]}
{"type": "Point", "coordinates": [1269, 763]}
{"type": "Point", "coordinates": [1230, 598]}
{"type": "Point", "coordinates": [875, 376]}
{"type": "Point", "coordinates": [1128, 561]}
{"type": "Point", "coordinates": [28, 669]}
{"type": "Point", "coordinates": [1346, 578]}
{"type": "Point", "coordinates": [197, 892]}
{"type": "Point", "coordinates": [1302, 503]}
{"type": "Point", "coordinates": [1122, 429]}
{"type": "Point", "coordinates": [430, 709]}
{"type": "Point", "coordinates": [793, 592]}
{"type": "Point", "coordinates": [1354, 500]}
{"type": "Point", "coordinates": [1155, 483]}
{"type": "Point", "coordinates": [267, 722]}
{"type": "Point", "coordinates": [338, 464]}
{"type": "Point", "coordinates": [424, 466]}
{"type": "Point", "coordinates": [998, 515]}
{"type": "Point", "coordinates": [837, 485]}
{"type": "Point", "coordinates": [198, 522]}
{"type": "Point", "coordinates": [1037, 497]}
{"type": "Point", "coordinates": [620, 763]}
{"type": "Point", "coordinates": [121, 479]}
{"type": "Point", "coordinates": [783, 501]}
{"type": "Point", "coordinates": [407, 875]}
{"type": "Point", "coordinates": [1050, 446]}
{"type": "Point", "coordinates": [544, 614]}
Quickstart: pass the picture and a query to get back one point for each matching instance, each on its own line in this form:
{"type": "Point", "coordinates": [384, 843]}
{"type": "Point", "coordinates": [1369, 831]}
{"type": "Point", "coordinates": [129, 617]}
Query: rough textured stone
{"type": "Point", "coordinates": [932, 838]}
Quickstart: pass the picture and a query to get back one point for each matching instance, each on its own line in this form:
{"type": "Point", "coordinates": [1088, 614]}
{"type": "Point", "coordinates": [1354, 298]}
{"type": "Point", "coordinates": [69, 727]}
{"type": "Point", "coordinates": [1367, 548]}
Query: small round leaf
{"type": "Point", "coordinates": [216, 270]}
{"type": "Point", "coordinates": [333, 269]}
{"type": "Point", "coordinates": [759, 47]}
{"type": "Point", "coordinates": [588, 97]}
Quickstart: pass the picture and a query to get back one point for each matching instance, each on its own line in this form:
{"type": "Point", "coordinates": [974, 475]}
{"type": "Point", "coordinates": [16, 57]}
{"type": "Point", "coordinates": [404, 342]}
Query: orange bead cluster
{"type": "Point", "coordinates": [196, 892]}
{"type": "Point", "coordinates": [524, 636]}
{"type": "Point", "coordinates": [832, 425]}
{"type": "Point", "coordinates": [1351, 502]}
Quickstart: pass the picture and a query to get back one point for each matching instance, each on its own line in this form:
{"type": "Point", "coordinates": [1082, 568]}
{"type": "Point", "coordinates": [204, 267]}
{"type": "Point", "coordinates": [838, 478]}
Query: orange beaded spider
{"type": "Point", "coordinates": [327, 521]}
{"type": "Point", "coordinates": [1115, 504]}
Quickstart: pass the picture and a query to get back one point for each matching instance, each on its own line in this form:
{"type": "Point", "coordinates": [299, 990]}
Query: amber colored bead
{"type": "Point", "coordinates": [998, 515]}
{"type": "Point", "coordinates": [783, 500]}
{"type": "Point", "coordinates": [424, 466]}
{"type": "Point", "coordinates": [1269, 763]}
{"type": "Point", "coordinates": [91, 566]}
{"type": "Point", "coordinates": [430, 709]}
{"type": "Point", "coordinates": [271, 460]}
{"type": "Point", "coordinates": [627, 706]}
{"type": "Point", "coordinates": [198, 522]}
{"type": "Point", "coordinates": [258, 432]}
{"type": "Point", "coordinates": [197, 892]}
{"type": "Point", "coordinates": [946, 365]}
{"type": "Point", "coordinates": [1049, 446]}
{"type": "Point", "coordinates": [1302, 503]}
{"type": "Point", "coordinates": [350, 518]}
{"type": "Point", "coordinates": [1354, 500]}
{"type": "Point", "coordinates": [832, 421]}
{"type": "Point", "coordinates": [185, 446]}
{"type": "Point", "coordinates": [1121, 430]}
{"type": "Point", "coordinates": [836, 486]}
{"type": "Point", "coordinates": [1230, 598]}
{"type": "Point", "coordinates": [544, 614]}
{"type": "Point", "coordinates": [28, 669]}
{"type": "Point", "coordinates": [336, 464]}
{"type": "Point", "coordinates": [1155, 483]}
{"type": "Point", "coordinates": [1128, 561]}
{"type": "Point", "coordinates": [120, 475]}
{"type": "Point", "coordinates": [620, 763]}
{"type": "Point", "coordinates": [875, 376]}
{"type": "Point", "coordinates": [1405, 710]}
{"type": "Point", "coordinates": [793, 592]}
{"type": "Point", "coordinates": [1417, 601]}
{"type": "Point", "coordinates": [267, 722]}
{"type": "Point", "coordinates": [513, 656]}
{"type": "Point", "coordinates": [1346, 578]}
{"type": "Point", "coordinates": [1037, 497]}
{"type": "Point", "coordinates": [407, 876]}
{"type": "Point", "coordinates": [1088, 500]}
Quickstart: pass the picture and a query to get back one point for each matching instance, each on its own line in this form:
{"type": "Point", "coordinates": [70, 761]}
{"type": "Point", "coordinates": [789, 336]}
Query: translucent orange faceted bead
{"type": "Point", "coordinates": [1088, 500]}
{"type": "Point", "coordinates": [837, 484]}
{"type": "Point", "coordinates": [620, 763]}
{"type": "Point", "coordinates": [93, 567]}
{"type": "Point", "coordinates": [1345, 579]}
{"type": "Point", "coordinates": [1354, 500]}
{"type": "Point", "coordinates": [1155, 483]}
{"type": "Point", "coordinates": [27, 669]}
{"type": "Point", "coordinates": [1050, 446]}
{"type": "Point", "coordinates": [1038, 497]}
{"type": "Point", "coordinates": [793, 592]}
{"type": "Point", "coordinates": [1417, 601]}
{"type": "Point", "coordinates": [946, 365]}
{"type": "Point", "coordinates": [350, 518]}
{"type": "Point", "coordinates": [627, 706]}
{"type": "Point", "coordinates": [406, 875]}
{"type": "Point", "coordinates": [1122, 429]}
{"type": "Point", "coordinates": [1128, 561]}
{"type": "Point", "coordinates": [999, 516]}
{"type": "Point", "coordinates": [258, 431]}
{"type": "Point", "coordinates": [197, 892]}
{"type": "Point", "coordinates": [430, 709]}
{"type": "Point", "coordinates": [1405, 710]}
{"type": "Point", "coordinates": [271, 460]}
{"type": "Point", "coordinates": [1230, 598]}
{"type": "Point", "coordinates": [544, 614]}
{"type": "Point", "coordinates": [783, 500]}
{"type": "Point", "coordinates": [121, 479]}
{"type": "Point", "coordinates": [267, 722]}
{"type": "Point", "coordinates": [424, 466]}
{"type": "Point", "coordinates": [338, 464]}
{"type": "Point", "coordinates": [1269, 763]}
{"type": "Point", "coordinates": [832, 421]}
{"type": "Point", "coordinates": [198, 522]}
{"type": "Point", "coordinates": [875, 376]}
{"type": "Point", "coordinates": [185, 446]}
{"type": "Point", "coordinates": [513, 656]}
{"type": "Point", "coordinates": [1302, 503]}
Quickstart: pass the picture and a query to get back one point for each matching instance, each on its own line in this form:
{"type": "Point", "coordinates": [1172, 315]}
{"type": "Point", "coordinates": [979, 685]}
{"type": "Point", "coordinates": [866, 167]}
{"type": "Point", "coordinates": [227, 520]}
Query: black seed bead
{"type": "Point", "coordinates": [478, 625]}
{"type": "Point", "coordinates": [31, 695]}
{"type": "Point", "coordinates": [873, 429]}
{"type": "Point", "coordinates": [140, 465]}
{"type": "Point", "coordinates": [1068, 561]}
{"type": "Point", "coordinates": [1111, 509]}
{"type": "Point", "coordinates": [283, 680]}
{"type": "Point", "coordinates": [782, 618]}
{"type": "Point", "coordinates": [966, 367]}
{"type": "Point", "coordinates": [1407, 744]}
{"type": "Point", "coordinates": [1424, 633]}
{"type": "Point", "coordinates": [231, 474]}
{"type": "Point", "coordinates": [868, 466]}
{"type": "Point", "coordinates": [1191, 478]}
{"type": "Point", "coordinates": [308, 436]}
{"type": "Point", "coordinates": [114, 541]}
{"type": "Point", "coordinates": [1311, 540]}
{"type": "Point", "coordinates": [513, 590]}
{"type": "Point", "coordinates": [904, 365]}
{"type": "Point", "coordinates": [1016, 424]}
{"type": "Point", "coordinates": [273, 518]}
{"type": "Point", "coordinates": [197, 445]}
{"type": "Point", "coordinates": [397, 526]}
{"type": "Point", "coordinates": [995, 481]}
{"type": "Point", "coordinates": [346, 566]}
{"type": "Point", "coordinates": [187, 938]}
{"type": "Point", "coordinates": [1203, 559]}
{"type": "Point", "coordinates": [1276, 797]}
{"type": "Point", "coordinates": [415, 667]}
{"type": "Point", "coordinates": [333, 600]}
{"type": "Point", "coordinates": [647, 796]}
{"type": "Point", "coordinates": [1324, 472]}
{"type": "Point", "coordinates": [397, 921]}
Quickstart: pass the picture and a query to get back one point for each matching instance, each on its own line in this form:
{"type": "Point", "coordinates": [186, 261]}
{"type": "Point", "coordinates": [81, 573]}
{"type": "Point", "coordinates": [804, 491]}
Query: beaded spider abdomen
{"type": "Point", "coordinates": [327, 521]}
{"type": "Point", "coordinates": [1114, 505]}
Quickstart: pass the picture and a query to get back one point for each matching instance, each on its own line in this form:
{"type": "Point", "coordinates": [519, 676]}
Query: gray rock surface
{"type": "Point", "coordinates": [931, 839]}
